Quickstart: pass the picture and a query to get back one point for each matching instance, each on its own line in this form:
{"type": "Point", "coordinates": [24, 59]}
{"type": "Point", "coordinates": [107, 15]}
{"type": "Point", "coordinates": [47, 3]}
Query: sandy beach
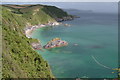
{"type": "Point", "coordinates": [30, 29]}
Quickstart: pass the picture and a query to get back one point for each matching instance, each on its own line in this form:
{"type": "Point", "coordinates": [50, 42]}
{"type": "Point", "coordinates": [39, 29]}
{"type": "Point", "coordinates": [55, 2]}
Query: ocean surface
{"type": "Point", "coordinates": [92, 51]}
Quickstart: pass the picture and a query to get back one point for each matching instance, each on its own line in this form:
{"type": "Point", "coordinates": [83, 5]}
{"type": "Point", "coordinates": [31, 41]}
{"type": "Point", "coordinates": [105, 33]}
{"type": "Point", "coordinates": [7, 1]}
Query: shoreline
{"type": "Point", "coordinates": [29, 29]}
{"type": "Point", "coordinates": [37, 45]}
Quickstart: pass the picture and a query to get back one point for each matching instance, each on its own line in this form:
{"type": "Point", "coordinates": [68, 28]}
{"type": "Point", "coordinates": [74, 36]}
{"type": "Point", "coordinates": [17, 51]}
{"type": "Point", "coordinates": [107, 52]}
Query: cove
{"type": "Point", "coordinates": [96, 36]}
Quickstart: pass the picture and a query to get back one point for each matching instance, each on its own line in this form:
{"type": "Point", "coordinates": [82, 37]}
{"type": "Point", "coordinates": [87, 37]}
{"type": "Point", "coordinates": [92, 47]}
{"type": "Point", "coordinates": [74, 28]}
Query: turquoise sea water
{"type": "Point", "coordinates": [96, 53]}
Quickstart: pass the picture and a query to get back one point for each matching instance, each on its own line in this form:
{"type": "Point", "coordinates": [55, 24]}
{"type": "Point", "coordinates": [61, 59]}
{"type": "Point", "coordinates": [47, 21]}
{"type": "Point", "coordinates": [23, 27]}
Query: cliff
{"type": "Point", "coordinates": [18, 57]}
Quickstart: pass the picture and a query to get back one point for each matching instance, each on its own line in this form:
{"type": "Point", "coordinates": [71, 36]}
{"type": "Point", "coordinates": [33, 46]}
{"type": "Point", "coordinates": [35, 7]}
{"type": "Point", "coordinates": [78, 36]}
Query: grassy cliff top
{"type": "Point", "coordinates": [37, 14]}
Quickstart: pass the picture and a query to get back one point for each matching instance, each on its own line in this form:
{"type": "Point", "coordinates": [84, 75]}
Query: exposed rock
{"type": "Point", "coordinates": [36, 46]}
{"type": "Point", "coordinates": [56, 42]}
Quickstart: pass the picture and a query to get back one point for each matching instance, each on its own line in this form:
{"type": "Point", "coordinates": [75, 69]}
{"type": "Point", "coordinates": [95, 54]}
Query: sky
{"type": "Point", "coordinates": [60, 0]}
{"type": "Point", "coordinates": [106, 7]}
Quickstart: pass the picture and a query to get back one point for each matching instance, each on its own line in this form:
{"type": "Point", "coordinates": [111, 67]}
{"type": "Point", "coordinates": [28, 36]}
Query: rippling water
{"type": "Point", "coordinates": [96, 52]}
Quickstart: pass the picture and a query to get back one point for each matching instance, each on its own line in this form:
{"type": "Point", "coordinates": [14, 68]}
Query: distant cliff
{"type": "Point", "coordinates": [19, 59]}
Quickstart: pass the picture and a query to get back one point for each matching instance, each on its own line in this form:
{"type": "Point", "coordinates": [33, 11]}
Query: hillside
{"type": "Point", "coordinates": [18, 57]}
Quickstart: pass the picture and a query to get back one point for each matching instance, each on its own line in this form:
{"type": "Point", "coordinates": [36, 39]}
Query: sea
{"type": "Point", "coordinates": [92, 50]}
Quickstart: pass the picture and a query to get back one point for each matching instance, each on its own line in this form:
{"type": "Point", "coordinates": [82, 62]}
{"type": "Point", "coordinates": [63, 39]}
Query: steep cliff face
{"type": "Point", "coordinates": [18, 57]}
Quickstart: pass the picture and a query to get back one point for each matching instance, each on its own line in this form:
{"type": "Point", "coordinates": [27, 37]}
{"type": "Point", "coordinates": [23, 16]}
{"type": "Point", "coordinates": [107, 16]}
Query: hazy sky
{"type": "Point", "coordinates": [107, 7]}
{"type": "Point", "coordinates": [60, 0]}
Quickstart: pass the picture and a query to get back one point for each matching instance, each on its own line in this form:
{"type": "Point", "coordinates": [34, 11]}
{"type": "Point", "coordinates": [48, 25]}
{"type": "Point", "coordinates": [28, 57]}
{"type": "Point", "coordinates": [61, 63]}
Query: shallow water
{"type": "Point", "coordinates": [96, 34]}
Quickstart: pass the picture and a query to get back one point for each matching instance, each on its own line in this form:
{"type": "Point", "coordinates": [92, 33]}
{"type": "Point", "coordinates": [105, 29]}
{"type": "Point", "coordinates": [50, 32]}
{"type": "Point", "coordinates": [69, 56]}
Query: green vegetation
{"type": "Point", "coordinates": [18, 57]}
{"type": "Point", "coordinates": [55, 12]}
